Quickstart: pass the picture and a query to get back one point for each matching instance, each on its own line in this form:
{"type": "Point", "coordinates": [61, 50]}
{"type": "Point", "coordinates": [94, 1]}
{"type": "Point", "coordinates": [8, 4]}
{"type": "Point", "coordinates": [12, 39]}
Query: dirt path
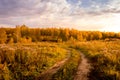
{"type": "Point", "coordinates": [83, 69]}
{"type": "Point", "coordinates": [47, 74]}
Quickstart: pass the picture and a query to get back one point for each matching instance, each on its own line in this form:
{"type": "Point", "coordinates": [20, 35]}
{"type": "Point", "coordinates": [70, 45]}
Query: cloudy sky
{"type": "Point", "coordinates": [79, 14]}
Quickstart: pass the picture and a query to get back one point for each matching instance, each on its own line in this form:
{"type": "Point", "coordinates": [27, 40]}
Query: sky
{"type": "Point", "coordinates": [100, 15]}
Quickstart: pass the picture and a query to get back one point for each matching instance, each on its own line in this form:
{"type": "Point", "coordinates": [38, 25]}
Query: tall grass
{"type": "Point", "coordinates": [104, 57]}
{"type": "Point", "coordinates": [26, 62]}
{"type": "Point", "coordinates": [67, 72]}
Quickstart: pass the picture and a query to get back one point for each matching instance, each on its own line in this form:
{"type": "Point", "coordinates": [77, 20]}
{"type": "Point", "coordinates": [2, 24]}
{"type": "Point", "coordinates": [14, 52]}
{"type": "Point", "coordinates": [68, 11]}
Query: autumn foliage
{"type": "Point", "coordinates": [26, 35]}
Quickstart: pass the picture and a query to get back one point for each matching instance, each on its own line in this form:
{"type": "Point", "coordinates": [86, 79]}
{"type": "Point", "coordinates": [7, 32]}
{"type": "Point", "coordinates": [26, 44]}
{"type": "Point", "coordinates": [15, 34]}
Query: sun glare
{"type": "Point", "coordinates": [111, 29]}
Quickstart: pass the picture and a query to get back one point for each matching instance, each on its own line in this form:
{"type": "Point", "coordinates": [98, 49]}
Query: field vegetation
{"type": "Point", "coordinates": [104, 57]}
{"type": "Point", "coordinates": [25, 62]}
{"type": "Point", "coordinates": [25, 53]}
{"type": "Point", "coordinates": [68, 71]}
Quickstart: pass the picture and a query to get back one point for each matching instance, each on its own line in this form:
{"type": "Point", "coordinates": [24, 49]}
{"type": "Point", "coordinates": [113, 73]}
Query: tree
{"type": "Point", "coordinates": [3, 36]}
{"type": "Point", "coordinates": [80, 37]}
{"type": "Point", "coordinates": [17, 33]}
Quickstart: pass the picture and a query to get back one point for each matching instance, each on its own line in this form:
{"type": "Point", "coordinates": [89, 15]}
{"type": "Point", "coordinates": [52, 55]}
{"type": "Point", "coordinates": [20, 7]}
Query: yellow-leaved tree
{"type": "Point", "coordinates": [3, 36]}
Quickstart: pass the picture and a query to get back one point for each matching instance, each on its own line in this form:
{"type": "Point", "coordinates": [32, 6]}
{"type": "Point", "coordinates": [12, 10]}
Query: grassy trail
{"type": "Point", "coordinates": [52, 70]}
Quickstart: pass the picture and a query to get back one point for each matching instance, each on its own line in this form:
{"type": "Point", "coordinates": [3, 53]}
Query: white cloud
{"type": "Point", "coordinates": [60, 13]}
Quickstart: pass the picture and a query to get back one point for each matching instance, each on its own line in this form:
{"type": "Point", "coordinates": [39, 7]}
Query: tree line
{"type": "Point", "coordinates": [25, 34]}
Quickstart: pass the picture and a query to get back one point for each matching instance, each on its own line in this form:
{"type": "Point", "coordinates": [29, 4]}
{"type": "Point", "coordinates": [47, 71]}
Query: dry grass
{"type": "Point", "coordinates": [104, 57]}
{"type": "Point", "coordinates": [27, 61]}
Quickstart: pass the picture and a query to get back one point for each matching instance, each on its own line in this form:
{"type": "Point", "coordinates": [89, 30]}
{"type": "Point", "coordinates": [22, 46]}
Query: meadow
{"type": "Point", "coordinates": [27, 53]}
{"type": "Point", "coordinates": [104, 57]}
{"type": "Point", "coordinates": [68, 71]}
{"type": "Point", "coordinates": [27, 61]}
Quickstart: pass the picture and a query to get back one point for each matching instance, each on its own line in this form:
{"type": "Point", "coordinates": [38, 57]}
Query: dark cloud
{"type": "Point", "coordinates": [14, 8]}
{"type": "Point", "coordinates": [113, 10]}
{"type": "Point", "coordinates": [19, 8]}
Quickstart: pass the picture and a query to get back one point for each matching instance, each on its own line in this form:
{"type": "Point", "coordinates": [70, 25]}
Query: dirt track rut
{"type": "Point", "coordinates": [48, 73]}
{"type": "Point", "coordinates": [83, 69]}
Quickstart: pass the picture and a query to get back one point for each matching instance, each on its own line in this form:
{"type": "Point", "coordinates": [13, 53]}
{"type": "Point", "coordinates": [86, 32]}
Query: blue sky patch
{"type": "Point", "coordinates": [72, 1]}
